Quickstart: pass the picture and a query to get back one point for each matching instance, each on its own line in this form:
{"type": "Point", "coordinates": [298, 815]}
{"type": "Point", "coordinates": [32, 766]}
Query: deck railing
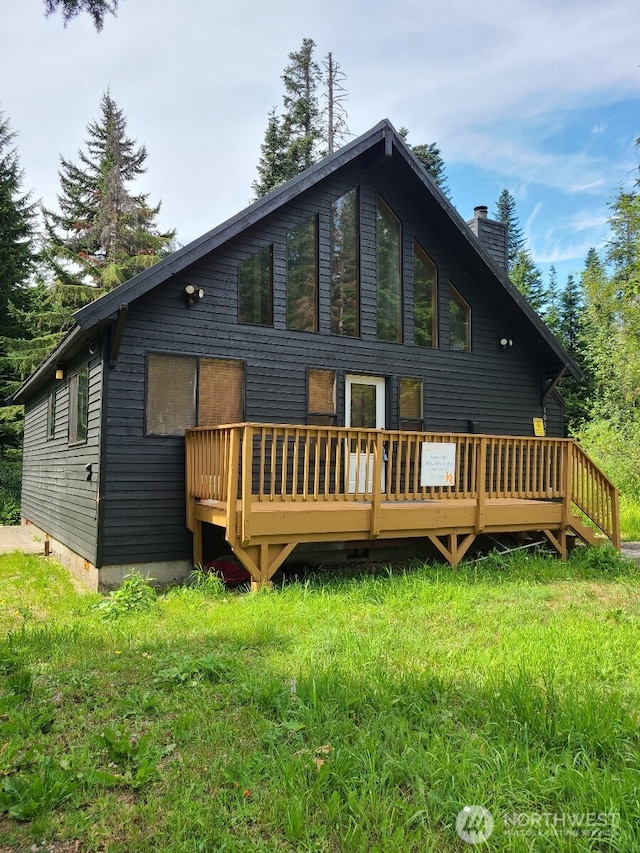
{"type": "Point", "coordinates": [283, 463]}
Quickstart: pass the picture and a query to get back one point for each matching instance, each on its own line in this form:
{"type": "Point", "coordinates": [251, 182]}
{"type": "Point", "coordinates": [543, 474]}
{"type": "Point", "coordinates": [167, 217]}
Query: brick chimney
{"type": "Point", "coordinates": [492, 235]}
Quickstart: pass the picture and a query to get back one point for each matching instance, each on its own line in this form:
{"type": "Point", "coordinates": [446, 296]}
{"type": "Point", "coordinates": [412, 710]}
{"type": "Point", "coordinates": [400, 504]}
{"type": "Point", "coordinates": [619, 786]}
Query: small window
{"type": "Point", "coordinates": [171, 394]}
{"type": "Point", "coordinates": [389, 273]}
{"type": "Point", "coordinates": [345, 273]}
{"type": "Point", "coordinates": [424, 299]}
{"type": "Point", "coordinates": [79, 406]}
{"type": "Point", "coordinates": [220, 392]}
{"type": "Point", "coordinates": [459, 322]}
{"type": "Point", "coordinates": [302, 277]}
{"type": "Point", "coordinates": [321, 397]}
{"type": "Point", "coordinates": [410, 404]}
{"type": "Point", "coordinates": [255, 285]}
{"type": "Point", "coordinates": [51, 415]}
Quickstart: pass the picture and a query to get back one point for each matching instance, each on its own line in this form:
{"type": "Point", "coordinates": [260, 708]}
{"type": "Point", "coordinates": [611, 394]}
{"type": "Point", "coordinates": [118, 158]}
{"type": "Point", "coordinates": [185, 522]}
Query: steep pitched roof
{"type": "Point", "coordinates": [379, 147]}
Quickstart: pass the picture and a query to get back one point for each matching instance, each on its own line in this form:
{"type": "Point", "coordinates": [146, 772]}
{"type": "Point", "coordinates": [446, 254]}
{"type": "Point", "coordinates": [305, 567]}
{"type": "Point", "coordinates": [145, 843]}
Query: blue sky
{"type": "Point", "coordinates": [539, 96]}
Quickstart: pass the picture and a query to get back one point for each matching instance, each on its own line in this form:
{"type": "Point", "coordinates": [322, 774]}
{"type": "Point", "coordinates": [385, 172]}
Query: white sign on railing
{"type": "Point", "coordinates": [438, 464]}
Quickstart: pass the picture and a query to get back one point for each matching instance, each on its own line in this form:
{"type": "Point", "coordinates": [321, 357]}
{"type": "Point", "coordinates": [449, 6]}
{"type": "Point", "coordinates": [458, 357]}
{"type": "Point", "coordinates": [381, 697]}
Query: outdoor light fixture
{"type": "Point", "coordinates": [505, 342]}
{"type": "Point", "coordinates": [193, 293]}
{"type": "Point", "coordinates": [60, 372]}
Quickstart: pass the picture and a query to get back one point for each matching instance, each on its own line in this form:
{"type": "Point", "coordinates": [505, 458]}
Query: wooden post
{"type": "Point", "coordinates": [376, 487]}
{"type": "Point", "coordinates": [567, 478]}
{"type": "Point", "coordinates": [247, 483]}
{"type": "Point", "coordinates": [233, 473]}
{"type": "Point", "coordinates": [197, 543]}
{"type": "Point", "coordinates": [481, 483]}
{"type": "Point", "coordinates": [615, 512]}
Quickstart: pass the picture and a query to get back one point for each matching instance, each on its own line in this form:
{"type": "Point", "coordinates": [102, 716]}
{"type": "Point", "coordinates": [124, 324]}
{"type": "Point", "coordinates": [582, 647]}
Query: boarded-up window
{"type": "Point", "coordinates": [424, 299]}
{"type": "Point", "coordinates": [321, 397]}
{"type": "Point", "coordinates": [220, 391]}
{"type": "Point", "coordinates": [171, 394]}
{"type": "Point", "coordinates": [79, 406]}
{"type": "Point", "coordinates": [255, 285]}
{"type": "Point", "coordinates": [459, 322]}
{"type": "Point", "coordinates": [410, 403]}
{"type": "Point", "coordinates": [302, 277]}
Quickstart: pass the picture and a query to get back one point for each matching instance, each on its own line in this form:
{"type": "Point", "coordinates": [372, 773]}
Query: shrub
{"type": "Point", "coordinates": [135, 595]}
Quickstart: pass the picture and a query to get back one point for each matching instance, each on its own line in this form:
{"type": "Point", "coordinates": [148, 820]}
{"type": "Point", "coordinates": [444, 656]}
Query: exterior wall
{"type": "Point", "coordinates": [56, 496]}
{"type": "Point", "coordinates": [495, 390]}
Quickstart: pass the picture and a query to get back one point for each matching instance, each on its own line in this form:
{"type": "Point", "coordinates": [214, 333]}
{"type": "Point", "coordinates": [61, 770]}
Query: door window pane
{"type": "Point", "coordinates": [255, 277]}
{"type": "Point", "coordinates": [363, 405]}
{"type": "Point", "coordinates": [302, 277]}
{"type": "Point", "coordinates": [424, 299]}
{"type": "Point", "coordinates": [389, 274]}
{"type": "Point", "coordinates": [345, 296]}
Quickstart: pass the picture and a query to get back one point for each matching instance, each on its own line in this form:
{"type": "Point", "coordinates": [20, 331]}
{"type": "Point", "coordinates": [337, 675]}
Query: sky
{"type": "Point", "coordinates": [541, 97]}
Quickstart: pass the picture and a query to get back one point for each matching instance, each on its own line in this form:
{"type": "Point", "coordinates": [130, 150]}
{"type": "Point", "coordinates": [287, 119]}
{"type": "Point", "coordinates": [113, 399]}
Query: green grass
{"type": "Point", "coordinates": [629, 518]}
{"type": "Point", "coordinates": [339, 714]}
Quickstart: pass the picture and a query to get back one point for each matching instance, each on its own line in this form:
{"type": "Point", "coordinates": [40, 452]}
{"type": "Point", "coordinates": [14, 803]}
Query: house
{"type": "Point", "coordinates": [353, 296]}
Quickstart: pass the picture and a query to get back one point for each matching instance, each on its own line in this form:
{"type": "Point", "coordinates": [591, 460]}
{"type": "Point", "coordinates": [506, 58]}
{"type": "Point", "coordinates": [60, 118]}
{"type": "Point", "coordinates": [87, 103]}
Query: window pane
{"type": "Point", "coordinates": [171, 388]}
{"type": "Point", "coordinates": [302, 277]}
{"type": "Point", "coordinates": [363, 405]}
{"type": "Point", "coordinates": [321, 397]}
{"type": "Point", "coordinates": [424, 299]}
{"type": "Point", "coordinates": [389, 281]}
{"type": "Point", "coordinates": [459, 322]}
{"type": "Point", "coordinates": [410, 403]}
{"type": "Point", "coordinates": [220, 392]}
{"type": "Point", "coordinates": [78, 405]}
{"type": "Point", "coordinates": [51, 414]}
{"type": "Point", "coordinates": [255, 277]}
{"type": "Point", "coordinates": [345, 295]}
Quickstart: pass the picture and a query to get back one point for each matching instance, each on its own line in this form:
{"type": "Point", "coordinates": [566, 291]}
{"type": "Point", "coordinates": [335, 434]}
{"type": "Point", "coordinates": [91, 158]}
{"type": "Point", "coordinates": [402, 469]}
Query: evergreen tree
{"type": "Point", "coordinates": [17, 214]}
{"type": "Point", "coordinates": [273, 168]}
{"type": "Point", "coordinates": [528, 279]}
{"type": "Point", "coordinates": [506, 213]}
{"type": "Point", "coordinates": [71, 8]}
{"type": "Point", "coordinates": [431, 158]}
{"type": "Point", "coordinates": [102, 234]}
{"type": "Point", "coordinates": [551, 312]}
{"type": "Point", "coordinates": [301, 119]}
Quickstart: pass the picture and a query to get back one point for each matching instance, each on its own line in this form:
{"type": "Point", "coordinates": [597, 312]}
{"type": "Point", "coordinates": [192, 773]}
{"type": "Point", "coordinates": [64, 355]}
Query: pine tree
{"type": "Point", "coordinates": [17, 214]}
{"type": "Point", "coordinates": [431, 158]}
{"type": "Point", "coordinates": [551, 312]}
{"type": "Point", "coordinates": [273, 168]}
{"type": "Point", "coordinates": [506, 213]}
{"type": "Point", "coordinates": [102, 235]}
{"type": "Point", "coordinates": [71, 8]}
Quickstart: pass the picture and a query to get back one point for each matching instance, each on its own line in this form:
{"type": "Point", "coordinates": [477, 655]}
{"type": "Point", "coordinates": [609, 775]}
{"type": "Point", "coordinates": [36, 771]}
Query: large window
{"type": "Point", "coordinates": [424, 299]}
{"type": "Point", "coordinates": [321, 397]}
{"type": "Point", "coordinates": [79, 406]}
{"type": "Point", "coordinates": [255, 286]}
{"type": "Point", "coordinates": [459, 322]}
{"type": "Point", "coordinates": [184, 391]}
{"type": "Point", "coordinates": [389, 273]}
{"type": "Point", "coordinates": [410, 397]}
{"type": "Point", "coordinates": [345, 290]}
{"type": "Point", "coordinates": [302, 277]}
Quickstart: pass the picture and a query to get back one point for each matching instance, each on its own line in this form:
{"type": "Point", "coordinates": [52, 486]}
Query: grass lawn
{"type": "Point", "coordinates": [339, 714]}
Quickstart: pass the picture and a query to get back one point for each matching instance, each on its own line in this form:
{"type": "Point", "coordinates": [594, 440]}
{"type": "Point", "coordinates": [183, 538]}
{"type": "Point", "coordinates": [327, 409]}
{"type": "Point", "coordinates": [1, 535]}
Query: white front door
{"type": "Point", "coordinates": [365, 408]}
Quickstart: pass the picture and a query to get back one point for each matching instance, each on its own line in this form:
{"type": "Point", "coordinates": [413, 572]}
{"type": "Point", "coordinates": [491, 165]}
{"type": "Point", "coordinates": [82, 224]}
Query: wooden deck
{"type": "Point", "coordinates": [272, 487]}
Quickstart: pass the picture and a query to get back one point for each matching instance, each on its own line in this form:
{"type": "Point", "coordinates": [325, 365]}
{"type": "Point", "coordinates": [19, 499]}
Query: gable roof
{"type": "Point", "coordinates": [380, 147]}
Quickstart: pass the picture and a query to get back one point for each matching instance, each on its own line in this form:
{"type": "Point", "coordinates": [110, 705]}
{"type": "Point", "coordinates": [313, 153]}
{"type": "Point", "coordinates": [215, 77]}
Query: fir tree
{"type": "Point", "coordinates": [102, 235]}
{"type": "Point", "coordinates": [301, 119]}
{"type": "Point", "coordinates": [551, 313]}
{"type": "Point", "coordinates": [273, 168]}
{"type": "Point", "coordinates": [431, 158]}
{"type": "Point", "coordinates": [16, 262]}
{"type": "Point", "coordinates": [506, 213]}
{"type": "Point", "coordinates": [526, 276]}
